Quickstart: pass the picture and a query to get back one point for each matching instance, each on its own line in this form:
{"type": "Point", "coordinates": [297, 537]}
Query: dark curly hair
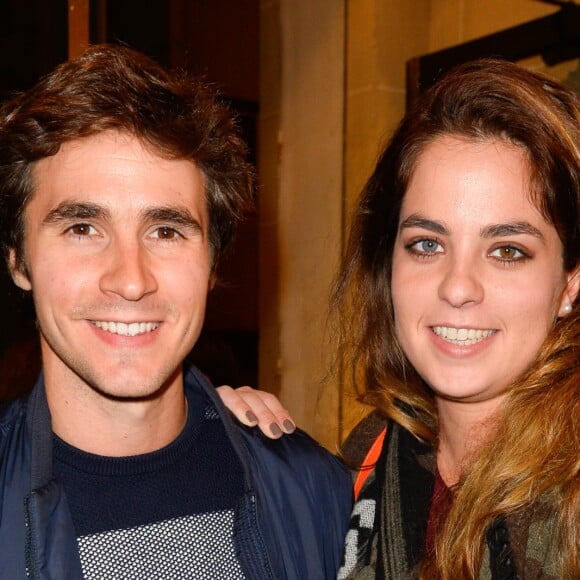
{"type": "Point", "coordinates": [112, 87]}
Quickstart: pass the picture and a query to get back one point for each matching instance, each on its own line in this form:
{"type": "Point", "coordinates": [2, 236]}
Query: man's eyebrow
{"type": "Point", "coordinates": [417, 221]}
{"type": "Point", "coordinates": [72, 210]}
{"type": "Point", "coordinates": [172, 215]}
{"type": "Point", "coordinates": [511, 229]}
{"type": "Point", "coordinates": [68, 210]}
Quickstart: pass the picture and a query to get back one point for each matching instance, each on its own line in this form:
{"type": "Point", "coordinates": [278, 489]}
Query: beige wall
{"type": "Point", "coordinates": [456, 21]}
{"type": "Point", "coordinates": [329, 64]}
{"type": "Point", "coordinates": [300, 202]}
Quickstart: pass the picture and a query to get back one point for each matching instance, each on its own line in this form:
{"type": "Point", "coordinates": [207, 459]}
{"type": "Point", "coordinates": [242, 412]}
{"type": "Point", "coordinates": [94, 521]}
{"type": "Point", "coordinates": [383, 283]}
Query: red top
{"type": "Point", "coordinates": [440, 505]}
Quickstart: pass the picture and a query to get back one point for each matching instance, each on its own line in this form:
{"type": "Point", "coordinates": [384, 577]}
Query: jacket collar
{"type": "Point", "coordinates": [39, 426]}
{"type": "Point", "coordinates": [38, 423]}
{"type": "Point", "coordinates": [193, 378]}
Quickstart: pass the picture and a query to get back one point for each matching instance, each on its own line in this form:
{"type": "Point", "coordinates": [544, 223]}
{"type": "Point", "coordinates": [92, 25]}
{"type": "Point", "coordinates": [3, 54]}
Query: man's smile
{"type": "Point", "coordinates": [126, 329]}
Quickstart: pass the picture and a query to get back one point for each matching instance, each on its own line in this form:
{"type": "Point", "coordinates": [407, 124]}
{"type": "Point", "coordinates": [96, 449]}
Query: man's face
{"type": "Point", "coordinates": [116, 254]}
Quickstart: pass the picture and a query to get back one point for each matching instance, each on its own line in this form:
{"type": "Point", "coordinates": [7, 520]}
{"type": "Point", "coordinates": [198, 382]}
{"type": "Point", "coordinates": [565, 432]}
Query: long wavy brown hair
{"type": "Point", "coordinates": [535, 453]}
{"type": "Point", "coordinates": [534, 456]}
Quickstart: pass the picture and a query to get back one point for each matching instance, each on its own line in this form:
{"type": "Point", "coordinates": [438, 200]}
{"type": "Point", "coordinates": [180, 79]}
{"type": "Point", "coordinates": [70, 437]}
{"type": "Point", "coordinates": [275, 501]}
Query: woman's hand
{"type": "Point", "coordinates": [257, 408]}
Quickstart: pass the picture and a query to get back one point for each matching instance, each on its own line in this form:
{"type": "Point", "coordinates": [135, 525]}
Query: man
{"type": "Point", "coordinates": [120, 186]}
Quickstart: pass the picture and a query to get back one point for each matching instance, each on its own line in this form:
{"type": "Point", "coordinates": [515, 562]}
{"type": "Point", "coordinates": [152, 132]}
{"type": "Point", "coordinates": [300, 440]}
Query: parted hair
{"type": "Point", "coordinates": [112, 87]}
{"type": "Point", "coordinates": [482, 100]}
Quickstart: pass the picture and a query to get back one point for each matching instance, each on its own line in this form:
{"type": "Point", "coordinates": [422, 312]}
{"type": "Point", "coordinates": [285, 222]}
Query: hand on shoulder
{"type": "Point", "coordinates": [256, 408]}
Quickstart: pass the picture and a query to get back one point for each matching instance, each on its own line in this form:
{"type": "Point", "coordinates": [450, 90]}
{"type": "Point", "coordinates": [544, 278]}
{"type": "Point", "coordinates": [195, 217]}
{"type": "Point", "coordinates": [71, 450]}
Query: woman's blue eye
{"type": "Point", "coordinates": [427, 246]}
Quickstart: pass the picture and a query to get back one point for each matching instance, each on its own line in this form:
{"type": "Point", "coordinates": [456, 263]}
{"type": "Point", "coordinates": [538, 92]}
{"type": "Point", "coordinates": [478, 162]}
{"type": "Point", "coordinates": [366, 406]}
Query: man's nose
{"type": "Point", "coordinates": [128, 271]}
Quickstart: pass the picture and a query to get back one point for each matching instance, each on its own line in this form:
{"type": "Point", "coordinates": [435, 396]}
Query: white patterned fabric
{"type": "Point", "coordinates": [194, 547]}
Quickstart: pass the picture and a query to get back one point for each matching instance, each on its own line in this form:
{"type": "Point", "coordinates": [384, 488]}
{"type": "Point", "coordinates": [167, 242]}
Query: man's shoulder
{"type": "Point", "coordinates": [12, 421]}
{"type": "Point", "coordinates": [297, 456]}
{"type": "Point", "coordinates": [297, 442]}
{"type": "Point", "coordinates": [10, 413]}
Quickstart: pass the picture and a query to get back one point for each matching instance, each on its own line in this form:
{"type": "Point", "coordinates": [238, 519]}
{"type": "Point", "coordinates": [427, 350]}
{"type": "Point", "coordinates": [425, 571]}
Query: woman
{"type": "Point", "coordinates": [460, 285]}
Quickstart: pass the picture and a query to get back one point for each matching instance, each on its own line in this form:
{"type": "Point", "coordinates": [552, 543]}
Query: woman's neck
{"type": "Point", "coordinates": [463, 428]}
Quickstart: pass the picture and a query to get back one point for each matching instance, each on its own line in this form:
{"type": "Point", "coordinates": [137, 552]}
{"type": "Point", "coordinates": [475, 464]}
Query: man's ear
{"type": "Point", "coordinates": [212, 280]}
{"type": "Point", "coordinates": [570, 292]}
{"type": "Point", "coordinates": [18, 273]}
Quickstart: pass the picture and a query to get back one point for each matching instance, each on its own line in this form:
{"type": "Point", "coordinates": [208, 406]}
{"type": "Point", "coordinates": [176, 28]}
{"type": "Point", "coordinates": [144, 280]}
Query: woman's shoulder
{"type": "Point", "coordinates": [357, 445]}
{"type": "Point", "coordinates": [533, 534]}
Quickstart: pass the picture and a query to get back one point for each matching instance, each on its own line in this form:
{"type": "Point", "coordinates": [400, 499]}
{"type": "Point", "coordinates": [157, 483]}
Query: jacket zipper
{"type": "Point", "coordinates": [29, 550]}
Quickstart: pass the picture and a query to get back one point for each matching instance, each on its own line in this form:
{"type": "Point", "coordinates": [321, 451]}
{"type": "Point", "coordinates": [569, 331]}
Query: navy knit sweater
{"type": "Point", "coordinates": [166, 514]}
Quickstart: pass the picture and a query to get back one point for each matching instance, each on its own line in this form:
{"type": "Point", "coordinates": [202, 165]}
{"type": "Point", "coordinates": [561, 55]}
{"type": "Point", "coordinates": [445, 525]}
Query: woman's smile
{"type": "Point", "coordinates": [462, 336]}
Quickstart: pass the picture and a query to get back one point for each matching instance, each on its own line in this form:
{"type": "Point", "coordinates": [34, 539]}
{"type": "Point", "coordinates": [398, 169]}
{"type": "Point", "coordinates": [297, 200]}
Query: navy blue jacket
{"type": "Point", "coordinates": [289, 525]}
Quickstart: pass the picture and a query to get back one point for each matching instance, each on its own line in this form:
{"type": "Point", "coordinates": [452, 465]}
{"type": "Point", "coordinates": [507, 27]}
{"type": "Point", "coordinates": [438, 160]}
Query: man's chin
{"type": "Point", "coordinates": [134, 389]}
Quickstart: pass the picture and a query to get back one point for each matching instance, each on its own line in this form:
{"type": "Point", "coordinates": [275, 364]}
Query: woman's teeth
{"type": "Point", "coordinates": [461, 336]}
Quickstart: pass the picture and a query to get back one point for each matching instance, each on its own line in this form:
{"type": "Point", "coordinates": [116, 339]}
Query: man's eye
{"type": "Point", "coordinates": [81, 230]}
{"type": "Point", "coordinates": [508, 254]}
{"type": "Point", "coordinates": [166, 233]}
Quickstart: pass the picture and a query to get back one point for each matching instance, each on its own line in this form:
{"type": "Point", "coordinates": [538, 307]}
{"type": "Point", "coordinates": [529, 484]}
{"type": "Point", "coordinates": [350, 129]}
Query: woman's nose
{"type": "Point", "coordinates": [461, 283]}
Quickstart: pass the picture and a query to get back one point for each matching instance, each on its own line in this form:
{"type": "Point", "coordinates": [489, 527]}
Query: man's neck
{"type": "Point", "coordinates": [94, 423]}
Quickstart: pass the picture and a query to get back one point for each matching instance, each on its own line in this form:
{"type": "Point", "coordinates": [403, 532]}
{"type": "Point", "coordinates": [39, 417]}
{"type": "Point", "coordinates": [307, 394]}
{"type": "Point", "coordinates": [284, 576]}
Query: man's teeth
{"type": "Point", "coordinates": [462, 336]}
{"type": "Point", "coordinates": [124, 329]}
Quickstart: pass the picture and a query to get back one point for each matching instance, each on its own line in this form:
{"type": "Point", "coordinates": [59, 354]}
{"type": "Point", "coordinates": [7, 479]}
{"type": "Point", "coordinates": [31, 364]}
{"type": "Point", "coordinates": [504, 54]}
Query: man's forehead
{"type": "Point", "coordinates": [118, 141]}
{"type": "Point", "coordinates": [117, 161]}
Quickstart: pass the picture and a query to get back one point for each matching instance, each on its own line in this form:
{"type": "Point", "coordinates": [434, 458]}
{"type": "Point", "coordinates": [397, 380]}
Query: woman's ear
{"type": "Point", "coordinates": [18, 272]}
{"type": "Point", "coordinates": [570, 292]}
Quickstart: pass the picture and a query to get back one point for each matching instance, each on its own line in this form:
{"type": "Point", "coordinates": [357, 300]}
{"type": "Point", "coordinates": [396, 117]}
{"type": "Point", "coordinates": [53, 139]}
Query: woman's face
{"type": "Point", "coordinates": [478, 276]}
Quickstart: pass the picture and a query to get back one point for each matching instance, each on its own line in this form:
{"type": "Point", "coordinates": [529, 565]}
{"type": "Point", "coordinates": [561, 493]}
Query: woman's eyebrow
{"type": "Point", "coordinates": [511, 229]}
{"type": "Point", "coordinates": [490, 231]}
{"type": "Point", "coordinates": [418, 221]}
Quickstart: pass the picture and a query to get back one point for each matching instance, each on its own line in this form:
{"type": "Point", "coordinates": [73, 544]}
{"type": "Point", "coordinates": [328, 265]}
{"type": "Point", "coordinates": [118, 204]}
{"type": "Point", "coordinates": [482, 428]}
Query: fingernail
{"type": "Point", "coordinates": [276, 431]}
{"type": "Point", "coordinates": [289, 427]}
{"type": "Point", "coordinates": [251, 417]}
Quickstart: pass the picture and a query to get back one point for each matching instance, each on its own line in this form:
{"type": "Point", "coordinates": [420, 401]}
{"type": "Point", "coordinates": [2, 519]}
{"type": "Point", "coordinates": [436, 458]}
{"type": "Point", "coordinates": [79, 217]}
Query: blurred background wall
{"type": "Point", "coordinates": [332, 89]}
{"type": "Point", "coordinates": [319, 85]}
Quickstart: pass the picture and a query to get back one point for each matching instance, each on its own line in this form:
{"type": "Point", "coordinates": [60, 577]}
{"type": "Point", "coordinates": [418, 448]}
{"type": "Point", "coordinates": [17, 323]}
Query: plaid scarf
{"type": "Point", "coordinates": [389, 521]}
{"type": "Point", "coordinates": [387, 532]}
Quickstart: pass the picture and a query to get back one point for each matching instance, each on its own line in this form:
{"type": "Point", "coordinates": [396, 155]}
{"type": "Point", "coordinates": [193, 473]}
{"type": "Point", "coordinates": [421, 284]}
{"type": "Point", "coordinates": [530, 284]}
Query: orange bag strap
{"type": "Point", "coordinates": [369, 463]}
